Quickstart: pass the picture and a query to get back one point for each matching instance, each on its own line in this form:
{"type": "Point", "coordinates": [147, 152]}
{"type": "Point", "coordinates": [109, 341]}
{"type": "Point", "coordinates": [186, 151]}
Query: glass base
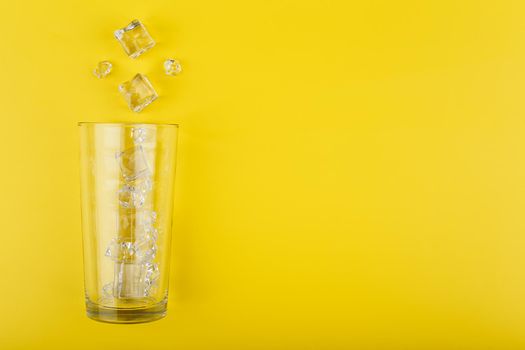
{"type": "Point", "coordinates": [126, 315]}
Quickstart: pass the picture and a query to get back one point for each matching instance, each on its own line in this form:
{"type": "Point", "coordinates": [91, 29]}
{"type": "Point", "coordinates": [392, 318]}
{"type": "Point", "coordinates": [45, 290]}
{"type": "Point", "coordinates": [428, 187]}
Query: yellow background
{"type": "Point", "coordinates": [350, 173]}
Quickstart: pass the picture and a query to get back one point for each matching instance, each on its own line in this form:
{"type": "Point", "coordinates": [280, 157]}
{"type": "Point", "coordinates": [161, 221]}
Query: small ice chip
{"type": "Point", "coordinates": [152, 271]}
{"type": "Point", "coordinates": [103, 69]}
{"type": "Point", "coordinates": [145, 249]}
{"type": "Point", "coordinates": [135, 39]}
{"type": "Point", "coordinates": [121, 251]}
{"type": "Point", "coordinates": [150, 277]}
{"type": "Point", "coordinates": [138, 92]}
{"type": "Point", "coordinates": [107, 290]}
{"type": "Point", "coordinates": [172, 67]}
{"type": "Point", "coordinates": [145, 186]}
{"type": "Point", "coordinates": [138, 135]}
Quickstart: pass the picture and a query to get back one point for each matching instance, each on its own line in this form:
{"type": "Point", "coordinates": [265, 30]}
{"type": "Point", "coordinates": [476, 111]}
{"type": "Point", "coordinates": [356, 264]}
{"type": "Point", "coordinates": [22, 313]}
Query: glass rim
{"type": "Point", "coordinates": [127, 123]}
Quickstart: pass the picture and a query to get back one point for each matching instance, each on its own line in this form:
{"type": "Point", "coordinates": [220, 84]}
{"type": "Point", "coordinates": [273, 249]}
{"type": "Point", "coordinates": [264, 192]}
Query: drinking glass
{"type": "Point", "coordinates": [127, 179]}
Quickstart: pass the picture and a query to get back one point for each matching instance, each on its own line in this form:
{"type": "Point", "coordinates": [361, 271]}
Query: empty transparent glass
{"type": "Point", "coordinates": [127, 179]}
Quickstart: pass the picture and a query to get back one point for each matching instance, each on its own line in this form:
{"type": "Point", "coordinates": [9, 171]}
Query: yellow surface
{"type": "Point", "coordinates": [350, 174]}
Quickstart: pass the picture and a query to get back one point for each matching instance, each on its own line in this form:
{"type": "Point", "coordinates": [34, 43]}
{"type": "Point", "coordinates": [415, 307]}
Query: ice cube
{"type": "Point", "coordinates": [127, 281]}
{"type": "Point", "coordinates": [152, 271]}
{"type": "Point", "coordinates": [146, 219]}
{"type": "Point", "coordinates": [126, 223]}
{"type": "Point", "coordinates": [145, 249]}
{"type": "Point", "coordinates": [138, 135]}
{"type": "Point", "coordinates": [121, 251]}
{"type": "Point", "coordinates": [135, 39]}
{"type": "Point", "coordinates": [172, 67]}
{"type": "Point", "coordinates": [138, 92]}
{"type": "Point", "coordinates": [150, 277]}
{"type": "Point", "coordinates": [102, 69]}
{"type": "Point", "coordinates": [153, 233]}
{"type": "Point", "coordinates": [130, 197]}
{"type": "Point", "coordinates": [146, 185]}
{"type": "Point", "coordinates": [133, 164]}
{"type": "Point", "coordinates": [125, 196]}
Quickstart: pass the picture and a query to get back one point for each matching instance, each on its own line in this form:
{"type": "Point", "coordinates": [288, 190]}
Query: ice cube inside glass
{"type": "Point", "coordinates": [138, 92]}
{"type": "Point", "coordinates": [133, 164]}
{"type": "Point", "coordinates": [135, 39]}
